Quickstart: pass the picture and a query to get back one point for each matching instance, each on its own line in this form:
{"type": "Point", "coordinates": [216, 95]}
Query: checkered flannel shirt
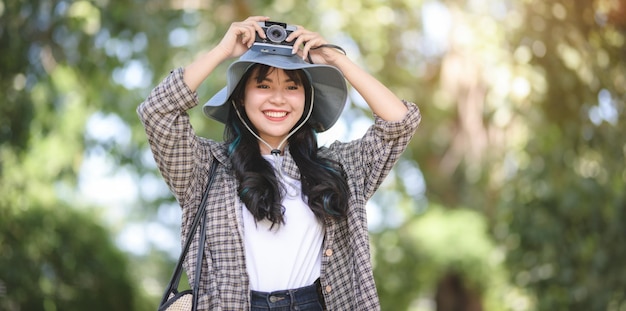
{"type": "Point", "coordinates": [184, 159]}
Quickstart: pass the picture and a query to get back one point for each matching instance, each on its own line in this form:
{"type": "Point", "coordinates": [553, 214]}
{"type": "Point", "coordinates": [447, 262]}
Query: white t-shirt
{"type": "Point", "coordinates": [289, 255]}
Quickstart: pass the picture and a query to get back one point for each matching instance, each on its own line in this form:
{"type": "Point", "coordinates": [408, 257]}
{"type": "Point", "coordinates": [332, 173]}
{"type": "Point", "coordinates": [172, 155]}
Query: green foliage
{"type": "Point", "coordinates": [59, 259]}
{"type": "Point", "coordinates": [565, 207]}
{"type": "Point", "coordinates": [441, 242]}
{"type": "Point", "coordinates": [570, 224]}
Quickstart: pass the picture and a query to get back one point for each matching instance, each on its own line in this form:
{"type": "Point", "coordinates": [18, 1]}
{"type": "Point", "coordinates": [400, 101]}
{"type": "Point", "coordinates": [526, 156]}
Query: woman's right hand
{"type": "Point", "coordinates": [237, 40]}
{"type": "Point", "coordinates": [240, 36]}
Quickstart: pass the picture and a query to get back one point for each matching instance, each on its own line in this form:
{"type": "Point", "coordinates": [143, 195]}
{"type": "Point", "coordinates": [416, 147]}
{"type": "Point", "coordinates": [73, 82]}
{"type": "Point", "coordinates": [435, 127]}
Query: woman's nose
{"type": "Point", "coordinates": [277, 97]}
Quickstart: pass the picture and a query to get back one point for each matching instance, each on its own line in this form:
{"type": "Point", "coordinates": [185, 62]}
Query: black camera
{"type": "Point", "coordinates": [276, 33]}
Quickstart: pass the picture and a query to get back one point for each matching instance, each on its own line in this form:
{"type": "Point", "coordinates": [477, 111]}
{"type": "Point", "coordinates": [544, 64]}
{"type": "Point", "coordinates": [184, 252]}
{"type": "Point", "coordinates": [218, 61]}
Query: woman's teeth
{"type": "Point", "coordinates": [275, 114]}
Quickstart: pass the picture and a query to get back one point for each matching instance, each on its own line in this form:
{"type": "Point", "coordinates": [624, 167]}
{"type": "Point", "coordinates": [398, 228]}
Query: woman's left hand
{"type": "Point", "coordinates": [307, 42]}
{"type": "Point", "coordinates": [381, 100]}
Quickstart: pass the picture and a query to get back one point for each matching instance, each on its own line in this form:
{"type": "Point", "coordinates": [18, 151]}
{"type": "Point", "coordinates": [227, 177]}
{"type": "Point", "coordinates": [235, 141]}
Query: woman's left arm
{"type": "Point", "coordinates": [381, 100]}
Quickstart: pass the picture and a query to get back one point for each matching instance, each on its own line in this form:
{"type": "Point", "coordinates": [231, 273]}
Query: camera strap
{"type": "Point", "coordinates": [328, 45]}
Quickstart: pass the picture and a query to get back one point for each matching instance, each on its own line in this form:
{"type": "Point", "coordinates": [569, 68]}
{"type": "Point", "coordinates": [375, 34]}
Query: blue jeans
{"type": "Point", "coordinates": [306, 298]}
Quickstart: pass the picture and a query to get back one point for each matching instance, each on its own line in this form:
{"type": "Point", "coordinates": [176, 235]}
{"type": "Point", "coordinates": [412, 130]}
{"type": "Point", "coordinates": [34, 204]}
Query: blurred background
{"type": "Point", "coordinates": [511, 196]}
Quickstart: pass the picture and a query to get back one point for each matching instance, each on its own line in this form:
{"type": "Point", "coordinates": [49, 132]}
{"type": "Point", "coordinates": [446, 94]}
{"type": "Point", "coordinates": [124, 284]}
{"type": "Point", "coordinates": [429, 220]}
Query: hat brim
{"type": "Point", "coordinates": [329, 87]}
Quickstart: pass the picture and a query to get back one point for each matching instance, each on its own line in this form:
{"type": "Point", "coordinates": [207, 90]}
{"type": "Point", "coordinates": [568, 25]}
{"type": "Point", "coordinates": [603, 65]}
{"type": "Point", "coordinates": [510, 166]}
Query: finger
{"type": "Point", "coordinates": [310, 41]}
{"type": "Point", "coordinates": [307, 48]}
{"type": "Point", "coordinates": [258, 29]}
{"type": "Point", "coordinates": [254, 21]}
{"type": "Point", "coordinates": [295, 34]}
{"type": "Point", "coordinates": [300, 40]}
{"type": "Point", "coordinates": [246, 31]}
{"type": "Point", "coordinates": [245, 38]}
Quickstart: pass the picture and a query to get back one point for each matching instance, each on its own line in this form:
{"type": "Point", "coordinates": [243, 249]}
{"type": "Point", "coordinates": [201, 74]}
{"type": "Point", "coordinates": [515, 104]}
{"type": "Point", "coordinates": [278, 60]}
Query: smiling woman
{"type": "Point", "coordinates": [297, 211]}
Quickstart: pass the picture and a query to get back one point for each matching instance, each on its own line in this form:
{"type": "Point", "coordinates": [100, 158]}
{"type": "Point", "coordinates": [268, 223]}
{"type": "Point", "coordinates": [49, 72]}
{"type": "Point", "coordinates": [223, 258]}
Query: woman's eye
{"type": "Point", "coordinates": [293, 87]}
{"type": "Point", "coordinates": [262, 86]}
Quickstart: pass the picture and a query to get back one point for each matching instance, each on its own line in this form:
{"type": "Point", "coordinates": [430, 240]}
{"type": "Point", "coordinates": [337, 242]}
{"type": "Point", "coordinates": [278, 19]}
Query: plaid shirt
{"type": "Point", "coordinates": [184, 159]}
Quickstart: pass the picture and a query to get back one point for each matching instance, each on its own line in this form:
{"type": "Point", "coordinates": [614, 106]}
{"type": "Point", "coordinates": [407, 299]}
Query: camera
{"type": "Point", "coordinates": [276, 33]}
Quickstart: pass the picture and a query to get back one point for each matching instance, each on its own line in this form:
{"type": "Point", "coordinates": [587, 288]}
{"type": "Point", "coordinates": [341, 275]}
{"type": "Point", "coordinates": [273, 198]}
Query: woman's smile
{"type": "Point", "coordinates": [276, 115]}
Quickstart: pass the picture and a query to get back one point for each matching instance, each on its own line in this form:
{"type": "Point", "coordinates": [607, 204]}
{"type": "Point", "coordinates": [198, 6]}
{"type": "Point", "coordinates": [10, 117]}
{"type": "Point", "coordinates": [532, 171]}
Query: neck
{"type": "Point", "coordinates": [265, 149]}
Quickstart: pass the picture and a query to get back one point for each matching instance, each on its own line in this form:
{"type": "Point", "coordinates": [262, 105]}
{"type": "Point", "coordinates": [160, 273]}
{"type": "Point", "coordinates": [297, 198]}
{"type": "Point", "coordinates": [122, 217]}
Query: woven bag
{"type": "Point", "coordinates": [182, 301]}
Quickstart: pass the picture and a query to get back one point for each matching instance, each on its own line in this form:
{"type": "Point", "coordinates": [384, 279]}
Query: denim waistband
{"type": "Point", "coordinates": [291, 299]}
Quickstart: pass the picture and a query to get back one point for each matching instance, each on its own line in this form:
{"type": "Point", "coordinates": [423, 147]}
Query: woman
{"type": "Point", "coordinates": [286, 220]}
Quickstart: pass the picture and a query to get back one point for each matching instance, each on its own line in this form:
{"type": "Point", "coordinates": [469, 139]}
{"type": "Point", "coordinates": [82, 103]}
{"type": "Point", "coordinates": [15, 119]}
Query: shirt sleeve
{"type": "Point", "coordinates": [172, 139]}
{"type": "Point", "coordinates": [368, 160]}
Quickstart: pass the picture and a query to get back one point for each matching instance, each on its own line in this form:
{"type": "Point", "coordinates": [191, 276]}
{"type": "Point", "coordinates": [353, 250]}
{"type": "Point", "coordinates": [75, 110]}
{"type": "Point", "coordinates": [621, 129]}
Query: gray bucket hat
{"type": "Point", "coordinates": [329, 87]}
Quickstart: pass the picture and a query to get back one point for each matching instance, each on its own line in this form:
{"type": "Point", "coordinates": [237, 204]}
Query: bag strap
{"type": "Point", "coordinates": [200, 257]}
{"type": "Point", "coordinates": [200, 215]}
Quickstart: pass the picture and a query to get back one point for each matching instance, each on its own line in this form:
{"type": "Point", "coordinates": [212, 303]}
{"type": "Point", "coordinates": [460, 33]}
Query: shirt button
{"type": "Point", "coordinates": [328, 288]}
{"type": "Point", "coordinates": [329, 252]}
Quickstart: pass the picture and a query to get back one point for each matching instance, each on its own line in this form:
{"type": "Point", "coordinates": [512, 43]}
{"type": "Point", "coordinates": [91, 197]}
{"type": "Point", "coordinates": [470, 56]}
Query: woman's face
{"type": "Point", "coordinates": [274, 104]}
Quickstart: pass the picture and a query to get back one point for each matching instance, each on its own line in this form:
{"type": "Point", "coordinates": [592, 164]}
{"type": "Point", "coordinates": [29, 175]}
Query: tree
{"type": "Point", "coordinates": [53, 255]}
{"type": "Point", "coordinates": [59, 259]}
{"type": "Point", "coordinates": [566, 205]}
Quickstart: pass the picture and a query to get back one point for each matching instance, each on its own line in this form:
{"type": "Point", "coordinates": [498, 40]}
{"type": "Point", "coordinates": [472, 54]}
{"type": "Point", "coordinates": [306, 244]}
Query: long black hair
{"type": "Point", "coordinates": [324, 185]}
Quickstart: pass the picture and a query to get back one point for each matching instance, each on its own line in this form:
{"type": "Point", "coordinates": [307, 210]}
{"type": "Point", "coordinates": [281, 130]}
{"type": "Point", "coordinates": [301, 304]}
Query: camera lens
{"type": "Point", "coordinates": [276, 33]}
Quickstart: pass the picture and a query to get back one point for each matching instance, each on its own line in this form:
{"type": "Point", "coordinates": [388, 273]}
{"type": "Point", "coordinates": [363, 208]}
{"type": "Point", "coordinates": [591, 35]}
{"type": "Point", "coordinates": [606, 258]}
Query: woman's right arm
{"type": "Point", "coordinates": [237, 40]}
{"type": "Point", "coordinates": [163, 113]}
{"type": "Point", "coordinates": [170, 135]}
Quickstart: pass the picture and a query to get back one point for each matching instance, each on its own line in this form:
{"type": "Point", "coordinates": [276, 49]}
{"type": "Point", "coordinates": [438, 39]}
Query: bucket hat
{"type": "Point", "coordinates": [329, 87]}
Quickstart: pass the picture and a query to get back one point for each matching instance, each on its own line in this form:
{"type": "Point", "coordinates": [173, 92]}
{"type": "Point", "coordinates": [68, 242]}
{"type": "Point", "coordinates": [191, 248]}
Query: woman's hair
{"type": "Point", "coordinates": [323, 180]}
